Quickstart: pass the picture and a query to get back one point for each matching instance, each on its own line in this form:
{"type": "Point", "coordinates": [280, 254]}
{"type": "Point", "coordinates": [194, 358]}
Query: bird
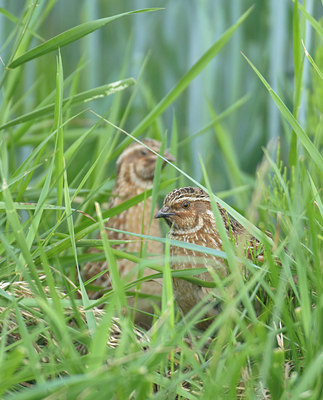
{"type": "Point", "coordinates": [135, 174]}
{"type": "Point", "coordinates": [188, 212]}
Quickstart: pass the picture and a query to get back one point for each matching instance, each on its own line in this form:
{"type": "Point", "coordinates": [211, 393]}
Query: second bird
{"type": "Point", "coordinates": [135, 174]}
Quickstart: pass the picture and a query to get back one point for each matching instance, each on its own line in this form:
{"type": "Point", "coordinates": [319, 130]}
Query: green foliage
{"type": "Point", "coordinates": [57, 164]}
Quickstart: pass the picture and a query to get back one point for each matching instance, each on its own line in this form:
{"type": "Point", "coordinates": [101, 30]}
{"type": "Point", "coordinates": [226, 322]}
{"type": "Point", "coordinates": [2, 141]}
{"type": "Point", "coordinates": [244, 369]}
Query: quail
{"type": "Point", "coordinates": [135, 174]}
{"type": "Point", "coordinates": [189, 213]}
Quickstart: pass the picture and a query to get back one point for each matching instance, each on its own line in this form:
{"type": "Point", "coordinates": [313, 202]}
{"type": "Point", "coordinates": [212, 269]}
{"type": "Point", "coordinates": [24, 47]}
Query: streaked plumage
{"type": "Point", "coordinates": [135, 174]}
{"type": "Point", "coordinates": [189, 213]}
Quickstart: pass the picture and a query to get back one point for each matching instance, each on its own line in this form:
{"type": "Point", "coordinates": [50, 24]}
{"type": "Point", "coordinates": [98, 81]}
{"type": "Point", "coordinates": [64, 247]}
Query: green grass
{"type": "Point", "coordinates": [59, 140]}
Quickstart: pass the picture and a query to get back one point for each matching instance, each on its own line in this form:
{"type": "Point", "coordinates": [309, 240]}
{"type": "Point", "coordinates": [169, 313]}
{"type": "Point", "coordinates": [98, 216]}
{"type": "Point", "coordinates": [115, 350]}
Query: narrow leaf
{"type": "Point", "coordinates": [89, 315]}
{"type": "Point", "coordinates": [59, 145]}
{"type": "Point", "coordinates": [301, 134]}
{"type": "Point", "coordinates": [190, 75]}
{"type": "Point", "coordinates": [69, 36]}
{"type": "Point", "coordinates": [89, 95]}
{"type": "Point", "coordinates": [316, 25]}
{"type": "Point", "coordinates": [310, 59]}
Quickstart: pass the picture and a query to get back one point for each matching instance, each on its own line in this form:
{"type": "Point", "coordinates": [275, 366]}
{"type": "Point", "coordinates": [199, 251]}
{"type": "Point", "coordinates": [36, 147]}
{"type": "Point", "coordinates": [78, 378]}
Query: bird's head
{"type": "Point", "coordinates": [185, 209]}
{"type": "Point", "coordinates": [138, 162]}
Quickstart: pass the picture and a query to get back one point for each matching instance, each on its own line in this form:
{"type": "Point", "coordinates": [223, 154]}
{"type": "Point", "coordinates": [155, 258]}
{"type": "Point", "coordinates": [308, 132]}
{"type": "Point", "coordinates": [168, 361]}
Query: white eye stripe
{"type": "Point", "coordinates": [190, 193]}
{"type": "Point", "coordinates": [191, 199]}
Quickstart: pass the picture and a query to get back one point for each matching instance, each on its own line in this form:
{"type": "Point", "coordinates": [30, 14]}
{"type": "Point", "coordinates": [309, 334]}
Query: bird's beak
{"type": "Point", "coordinates": [163, 213]}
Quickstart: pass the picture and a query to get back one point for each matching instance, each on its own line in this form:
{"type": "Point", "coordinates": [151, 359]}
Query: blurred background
{"type": "Point", "coordinates": [167, 43]}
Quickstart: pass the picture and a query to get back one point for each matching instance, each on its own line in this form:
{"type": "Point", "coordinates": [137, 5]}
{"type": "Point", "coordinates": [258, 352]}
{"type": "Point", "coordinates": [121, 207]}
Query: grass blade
{"type": "Point", "coordinates": [230, 155]}
{"type": "Point", "coordinates": [84, 97]}
{"type": "Point", "coordinates": [89, 315]}
{"type": "Point", "coordinates": [316, 25]}
{"type": "Point", "coordinates": [116, 280]}
{"type": "Point", "coordinates": [310, 59]}
{"type": "Point", "coordinates": [69, 36]}
{"type": "Point", "coordinates": [189, 76]}
{"type": "Point", "coordinates": [301, 134]}
{"type": "Point", "coordinates": [19, 235]}
{"type": "Point", "coordinates": [298, 66]}
{"type": "Point", "coordinates": [59, 146]}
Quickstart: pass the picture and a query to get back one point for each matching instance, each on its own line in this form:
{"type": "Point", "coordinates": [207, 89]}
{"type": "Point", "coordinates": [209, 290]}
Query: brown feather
{"type": "Point", "coordinates": [188, 212]}
{"type": "Point", "coordinates": [135, 173]}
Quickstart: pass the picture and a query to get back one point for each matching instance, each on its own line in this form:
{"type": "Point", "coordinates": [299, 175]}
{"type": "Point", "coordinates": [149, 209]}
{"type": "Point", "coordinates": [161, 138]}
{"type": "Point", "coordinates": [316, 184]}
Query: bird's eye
{"type": "Point", "coordinates": [186, 204]}
{"type": "Point", "coordinates": [144, 152]}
